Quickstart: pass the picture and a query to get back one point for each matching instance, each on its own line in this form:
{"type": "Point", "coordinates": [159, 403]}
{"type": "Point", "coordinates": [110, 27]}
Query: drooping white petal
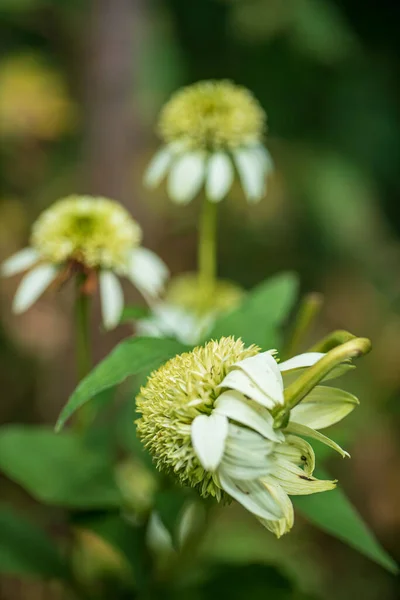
{"type": "Point", "coordinates": [219, 176]}
{"type": "Point", "coordinates": [32, 286]}
{"type": "Point", "coordinates": [186, 177]}
{"type": "Point", "coordinates": [251, 172]}
{"type": "Point", "coordinates": [294, 367]}
{"type": "Point", "coordinates": [18, 262]}
{"type": "Point", "coordinates": [307, 359]}
{"type": "Point", "coordinates": [208, 438]}
{"type": "Point", "coordinates": [254, 496]}
{"type": "Point", "coordinates": [264, 371]}
{"type": "Point", "coordinates": [147, 272]}
{"type": "Point", "coordinates": [299, 429]}
{"type": "Point", "coordinates": [297, 451]}
{"type": "Point", "coordinates": [111, 298]}
{"type": "Point", "coordinates": [324, 406]}
{"type": "Point", "coordinates": [238, 380]}
{"type": "Point", "coordinates": [279, 526]}
{"type": "Point", "coordinates": [235, 406]}
{"type": "Point", "coordinates": [295, 482]}
{"type": "Point", "coordinates": [158, 167]}
{"type": "Point", "coordinates": [265, 157]}
{"type": "Point", "coordinates": [247, 454]}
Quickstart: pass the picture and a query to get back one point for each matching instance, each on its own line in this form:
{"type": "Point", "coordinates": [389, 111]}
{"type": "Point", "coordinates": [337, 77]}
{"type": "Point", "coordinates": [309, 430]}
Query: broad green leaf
{"type": "Point", "coordinates": [262, 312]}
{"type": "Point", "coordinates": [62, 470]}
{"type": "Point", "coordinates": [25, 550]}
{"type": "Point", "coordinates": [130, 357]}
{"type": "Point", "coordinates": [333, 513]}
{"type": "Point", "coordinates": [133, 313]}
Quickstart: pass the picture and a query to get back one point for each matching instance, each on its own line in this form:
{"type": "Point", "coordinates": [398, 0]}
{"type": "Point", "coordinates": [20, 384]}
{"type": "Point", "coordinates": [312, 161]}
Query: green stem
{"type": "Point", "coordinates": [207, 253]}
{"type": "Point", "coordinates": [83, 350]}
{"type": "Point", "coordinates": [295, 393]}
{"type": "Point", "coordinates": [336, 338]}
{"type": "Point", "coordinates": [306, 315]}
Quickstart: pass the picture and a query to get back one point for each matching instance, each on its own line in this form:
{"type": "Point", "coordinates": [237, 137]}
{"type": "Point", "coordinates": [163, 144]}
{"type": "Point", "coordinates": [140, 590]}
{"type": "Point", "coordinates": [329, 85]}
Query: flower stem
{"type": "Point", "coordinates": [207, 252]}
{"type": "Point", "coordinates": [306, 315]}
{"type": "Point", "coordinates": [83, 350]}
{"type": "Point", "coordinates": [295, 393]}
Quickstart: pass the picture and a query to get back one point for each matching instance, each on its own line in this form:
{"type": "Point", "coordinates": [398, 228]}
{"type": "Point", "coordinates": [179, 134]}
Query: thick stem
{"type": "Point", "coordinates": [207, 255]}
{"type": "Point", "coordinates": [83, 349]}
{"type": "Point", "coordinates": [307, 313]}
{"type": "Point", "coordinates": [82, 311]}
{"type": "Point", "coordinates": [295, 393]}
{"type": "Point", "coordinates": [340, 336]}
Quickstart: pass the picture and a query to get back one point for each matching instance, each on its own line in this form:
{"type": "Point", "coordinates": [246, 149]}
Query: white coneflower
{"type": "Point", "coordinates": [190, 309]}
{"type": "Point", "coordinates": [212, 418]}
{"type": "Point", "coordinates": [96, 237]}
{"type": "Point", "coordinates": [210, 129]}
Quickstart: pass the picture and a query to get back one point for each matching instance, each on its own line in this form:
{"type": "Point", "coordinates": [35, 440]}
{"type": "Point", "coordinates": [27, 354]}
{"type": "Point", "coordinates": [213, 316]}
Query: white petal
{"type": "Point", "coordinates": [297, 451]}
{"type": "Point", "coordinates": [238, 380]}
{"type": "Point", "coordinates": [208, 438]}
{"type": "Point", "coordinates": [158, 167]}
{"type": "Point", "coordinates": [294, 481]}
{"type": "Point", "coordinates": [265, 158]}
{"type": "Point", "coordinates": [22, 260]}
{"type": "Point", "coordinates": [219, 176]}
{"type": "Point", "coordinates": [186, 177]}
{"type": "Point", "coordinates": [324, 406]}
{"type": "Point", "coordinates": [264, 371]}
{"type": "Point", "coordinates": [299, 429]}
{"type": "Point", "coordinates": [234, 405]}
{"type": "Point", "coordinates": [294, 367]}
{"type": "Point", "coordinates": [254, 496]}
{"type": "Point", "coordinates": [147, 272]}
{"type": "Point", "coordinates": [32, 286]}
{"type": "Point", "coordinates": [308, 359]}
{"type": "Point", "coordinates": [252, 174]}
{"type": "Point", "coordinates": [247, 454]}
{"type": "Point", "coordinates": [111, 298]}
{"type": "Point", "coordinates": [279, 526]}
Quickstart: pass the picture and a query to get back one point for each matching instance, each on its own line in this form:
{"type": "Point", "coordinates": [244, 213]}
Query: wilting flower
{"type": "Point", "coordinates": [208, 417]}
{"type": "Point", "coordinates": [96, 237]}
{"type": "Point", "coordinates": [190, 309]}
{"type": "Point", "coordinates": [210, 129]}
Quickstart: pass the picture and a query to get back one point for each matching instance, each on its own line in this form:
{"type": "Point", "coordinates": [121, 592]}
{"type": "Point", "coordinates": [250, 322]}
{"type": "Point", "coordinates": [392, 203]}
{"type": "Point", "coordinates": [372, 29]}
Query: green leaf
{"type": "Point", "coordinates": [25, 550]}
{"type": "Point", "coordinates": [333, 513]}
{"type": "Point", "coordinates": [262, 312]}
{"type": "Point", "coordinates": [133, 313]}
{"type": "Point", "coordinates": [62, 470]}
{"type": "Point", "coordinates": [130, 357]}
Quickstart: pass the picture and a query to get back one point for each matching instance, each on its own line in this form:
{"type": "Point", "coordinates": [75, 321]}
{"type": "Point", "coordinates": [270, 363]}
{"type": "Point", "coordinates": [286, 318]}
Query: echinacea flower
{"type": "Point", "coordinates": [96, 237]}
{"type": "Point", "coordinates": [210, 130]}
{"type": "Point", "coordinates": [189, 309]}
{"type": "Point", "coordinates": [209, 417]}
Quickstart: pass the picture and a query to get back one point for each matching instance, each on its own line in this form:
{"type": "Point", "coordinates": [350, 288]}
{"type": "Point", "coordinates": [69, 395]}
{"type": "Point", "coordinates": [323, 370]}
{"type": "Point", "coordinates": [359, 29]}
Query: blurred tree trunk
{"type": "Point", "coordinates": [111, 126]}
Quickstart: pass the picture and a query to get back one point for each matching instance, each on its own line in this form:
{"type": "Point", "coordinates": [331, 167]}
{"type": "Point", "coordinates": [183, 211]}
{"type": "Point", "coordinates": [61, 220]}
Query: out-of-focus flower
{"type": "Point", "coordinates": [33, 100]}
{"type": "Point", "coordinates": [189, 309]}
{"type": "Point", "coordinates": [210, 417]}
{"type": "Point", "coordinates": [210, 129]}
{"type": "Point", "coordinates": [95, 237]}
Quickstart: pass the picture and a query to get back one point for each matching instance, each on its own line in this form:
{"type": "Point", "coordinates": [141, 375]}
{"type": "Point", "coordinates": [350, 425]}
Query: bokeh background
{"type": "Point", "coordinates": [81, 84]}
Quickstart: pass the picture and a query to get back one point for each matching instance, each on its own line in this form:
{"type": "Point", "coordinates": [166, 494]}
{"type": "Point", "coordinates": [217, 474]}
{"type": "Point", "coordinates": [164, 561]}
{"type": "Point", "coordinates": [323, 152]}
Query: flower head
{"type": "Point", "coordinates": [208, 417]}
{"type": "Point", "coordinates": [212, 115]}
{"type": "Point", "coordinates": [93, 236]}
{"type": "Point", "coordinates": [208, 129]}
